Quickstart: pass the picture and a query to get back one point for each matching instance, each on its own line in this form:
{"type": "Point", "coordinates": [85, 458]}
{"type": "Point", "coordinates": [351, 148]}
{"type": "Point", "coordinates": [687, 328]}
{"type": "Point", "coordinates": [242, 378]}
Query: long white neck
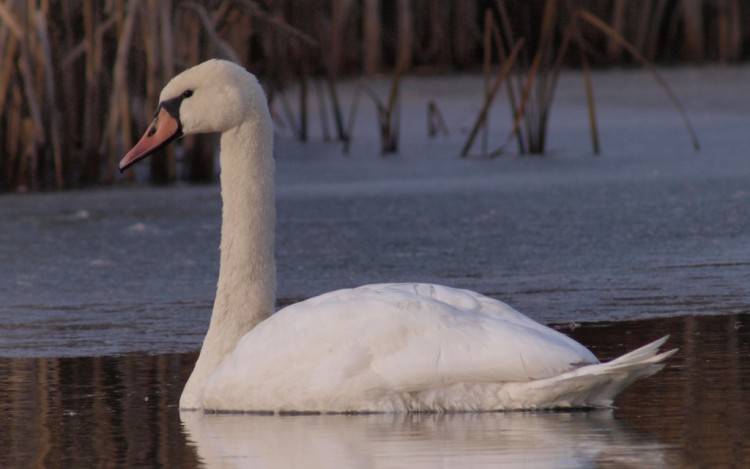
{"type": "Point", "coordinates": [245, 293]}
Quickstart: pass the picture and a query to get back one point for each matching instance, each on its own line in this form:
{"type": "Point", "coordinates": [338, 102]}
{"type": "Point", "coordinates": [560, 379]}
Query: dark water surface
{"type": "Point", "coordinates": [120, 411]}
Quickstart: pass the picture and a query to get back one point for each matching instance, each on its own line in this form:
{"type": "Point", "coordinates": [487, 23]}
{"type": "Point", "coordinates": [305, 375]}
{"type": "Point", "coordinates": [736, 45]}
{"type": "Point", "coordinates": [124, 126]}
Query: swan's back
{"type": "Point", "coordinates": [387, 348]}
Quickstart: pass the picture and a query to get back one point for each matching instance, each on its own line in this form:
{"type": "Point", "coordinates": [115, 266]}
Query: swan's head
{"type": "Point", "coordinates": [214, 96]}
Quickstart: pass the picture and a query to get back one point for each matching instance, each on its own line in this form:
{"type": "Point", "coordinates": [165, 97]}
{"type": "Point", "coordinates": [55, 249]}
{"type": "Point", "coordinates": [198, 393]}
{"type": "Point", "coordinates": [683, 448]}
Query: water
{"type": "Point", "coordinates": [131, 270]}
{"type": "Point", "coordinates": [105, 294]}
{"type": "Point", "coordinates": [120, 411]}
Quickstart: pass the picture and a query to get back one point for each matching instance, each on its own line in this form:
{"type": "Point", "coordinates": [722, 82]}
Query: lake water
{"type": "Point", "coordinates": [105, 293]}
{"type": "Point", "coordinates": [121, 411]}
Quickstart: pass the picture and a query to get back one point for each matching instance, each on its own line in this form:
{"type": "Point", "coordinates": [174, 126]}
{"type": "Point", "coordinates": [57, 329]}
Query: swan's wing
{"type": "Point", "coordinates": [388, 338]}
{"type": "Point", "coordinates": [471, 337]}
{"type": "Point", "coordinates": [447, 335]}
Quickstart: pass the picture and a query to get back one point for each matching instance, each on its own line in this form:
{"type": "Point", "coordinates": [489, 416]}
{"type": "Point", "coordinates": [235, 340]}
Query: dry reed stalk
{"type": "Point", "coordinates": [435, 121]}
{"type": "Point", "coordinates": [70, 91]}
{"type": "Point", "coordinates": [223, 47]}
{"type": "Point", "coordinates": [729, 34]}
{"type": "Point", "coordinates": [119, 111]}
{"type": "Point", "coordinates": [536, 78]}
{"type": "Point", "coordinates": [162, 170]}
{"type": "Point", "coordinates": [289, 114]}
{"type": "Point", "coordinates": [489, 27]}
{"type": "Point", "coordinates": [33, 127]}
{"type": "Point", "coordinates": [692, 18]}
{"type": "Point", "coordinates": [26, 168]}
{"type": "Point", "coordinates": [75, 52]}
{"type": "Point", "coordinates": [491, 35]}
{"type": "Point", "coordinates": [198, 150]}
{"type": "Point", "coordinates": [166, 34]}
{"type": "Point", "coordinates": [323, 111]}
{"type": "Point", "coordinates": [149, 26]}
{"type": "Point", "coordinates": [654, 36]}
{"type": "Point", "coordinates": [91, 132]}
{"type": "Point", "coordinates": [643, 24]}
{"type": "Point", "coordinates": [352, 118]}
{"type": "Point", "coordinates": [501, 76]}
{"type": "Point", "coordinates": [617, 21]}
{"type": "Point", "coordinates": [437, 48]}
{"type": "Point", "coordinates": [188, 46]}
{"type": "Point", "coordinates": [221, 11]}
{"type": "Point", "coordinates": [13, 135]}
{"type": "Point", "coordinates": [53, 110]}
{"type": "Point", "coordinates": [329, 77]}
{"type": "Point", "coordinates": [593, 128]}
{"type": "Point", "coordinates": [303, 104]}
{"type": "Point", "coordinates": [505, 25]}
{"type": "Point", "coordinates": [341, 131]}
{"type": "Point", "coordinates": [464, 27]}
{"type": "Point", "coordinates": [606, 29]}
{"type": "Point", "coordinates": [553, 74]}
{"type": "Point", "coordinates": [8, 69]}
{"type": "Point", "coordinates": [21, 41]}
{"type": "Point", "coordinates": [573, 32]}
{"type": "Point", "coordinates": [9, 21]}
{"type": "Point", "coordinates": [404, 47]}
{"type": "Point", "coordinates": [340, 12]}
{"type": "Point", "coordinates": [371, 34]}
{"type": "Point", "coordinates": [389, 112]}
{"type": "Point", "coordinates": [37, 47]}
{"type": "Point", "coordinates": [294, 51]}
{"type": "Point", "coordinates": [4, 35]}
{"type": "Point", "coordinates": [282, 26]}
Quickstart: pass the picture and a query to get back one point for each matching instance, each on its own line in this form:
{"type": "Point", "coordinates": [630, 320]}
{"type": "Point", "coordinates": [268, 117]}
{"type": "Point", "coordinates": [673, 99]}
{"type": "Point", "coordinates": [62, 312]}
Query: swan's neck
{"type": "Point", "coordinates": [245, 293]}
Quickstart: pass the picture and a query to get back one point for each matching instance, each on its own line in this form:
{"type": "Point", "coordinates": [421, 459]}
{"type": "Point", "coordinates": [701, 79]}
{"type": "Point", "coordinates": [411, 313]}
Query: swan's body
{"type": "Point", "coordinates": [378, 348]}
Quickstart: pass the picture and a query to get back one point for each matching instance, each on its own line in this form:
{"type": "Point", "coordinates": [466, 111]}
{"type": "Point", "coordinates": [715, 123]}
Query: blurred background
{"type": "Point", "coordinates": [79, 79]}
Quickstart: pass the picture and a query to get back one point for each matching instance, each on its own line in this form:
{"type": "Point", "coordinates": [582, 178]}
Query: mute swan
{"type": "Point", "coordinates": [376, 348]}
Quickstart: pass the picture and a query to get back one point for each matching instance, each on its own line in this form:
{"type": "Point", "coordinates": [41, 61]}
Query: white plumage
{"type": "Point", "coordinates": [377, 348]}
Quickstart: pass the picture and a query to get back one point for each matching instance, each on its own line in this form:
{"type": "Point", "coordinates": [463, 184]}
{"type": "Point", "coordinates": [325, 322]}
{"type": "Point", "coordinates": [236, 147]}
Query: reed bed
{"type": "Point", "coordinates": [78, 78]}
{"type": "Point", "coordinates": [532, 79]}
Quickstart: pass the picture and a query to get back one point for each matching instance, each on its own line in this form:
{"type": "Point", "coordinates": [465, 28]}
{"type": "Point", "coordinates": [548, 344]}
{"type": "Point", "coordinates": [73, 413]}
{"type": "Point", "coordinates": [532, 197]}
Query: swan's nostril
{"type": "Point", "coordinates": [152, 131]}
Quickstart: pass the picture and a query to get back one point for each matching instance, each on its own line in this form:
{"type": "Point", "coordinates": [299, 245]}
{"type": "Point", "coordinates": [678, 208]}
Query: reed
{"type": "Point", "coordinates": [606, 29]}
{"type": "Point", "coordinates": [531, 107]}
{"type": "Point", "coordinates": [388, 111]}
{"type": "Point", "coordinates": [490, 96]}
{"type": "Point", "coordinates": [435, 120]}
{"type": "Point", "coordinates": [79, 78]}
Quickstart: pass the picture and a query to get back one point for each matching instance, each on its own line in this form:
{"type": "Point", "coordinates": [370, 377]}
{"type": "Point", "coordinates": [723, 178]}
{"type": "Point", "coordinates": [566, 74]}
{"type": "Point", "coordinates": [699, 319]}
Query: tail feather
{"type": "Point", "coordinates": [644, 353]}
{"type": "Point", "coordinates": [596, 385]}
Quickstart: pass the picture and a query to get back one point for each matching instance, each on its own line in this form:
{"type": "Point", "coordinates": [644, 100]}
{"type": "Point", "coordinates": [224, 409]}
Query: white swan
{"type": "Point", "coordinates": [377, 348]}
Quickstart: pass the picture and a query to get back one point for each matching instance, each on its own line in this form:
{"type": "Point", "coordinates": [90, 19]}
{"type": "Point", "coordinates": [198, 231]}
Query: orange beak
{"type": "Point", "coordinates": [163, 129]}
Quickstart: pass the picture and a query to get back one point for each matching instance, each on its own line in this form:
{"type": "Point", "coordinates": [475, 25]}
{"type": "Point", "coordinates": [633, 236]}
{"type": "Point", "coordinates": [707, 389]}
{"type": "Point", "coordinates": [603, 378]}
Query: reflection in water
{"type": "Point", "coordinates": [700, 402]}
{"type": "Point", "coordinates": [121, 411]}
{"type": "Point", "coordinates": [93, 412]}
{"type": "Point", "coordinates": [564, 439]}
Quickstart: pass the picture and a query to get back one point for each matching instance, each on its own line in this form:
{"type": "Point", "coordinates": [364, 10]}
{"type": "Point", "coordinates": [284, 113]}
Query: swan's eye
{"type": "Point", "coordinates": [187, 93]}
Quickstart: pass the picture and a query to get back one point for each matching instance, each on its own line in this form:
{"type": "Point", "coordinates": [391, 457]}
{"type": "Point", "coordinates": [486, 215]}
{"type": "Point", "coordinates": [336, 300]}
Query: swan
{"type": "Point", "coordinates": [405, 347]}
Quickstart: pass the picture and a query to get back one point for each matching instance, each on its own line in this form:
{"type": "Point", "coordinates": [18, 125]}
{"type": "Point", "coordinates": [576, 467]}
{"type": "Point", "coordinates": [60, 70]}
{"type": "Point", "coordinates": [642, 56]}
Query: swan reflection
{"type": "Point", "coordinates": [528, 439]}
